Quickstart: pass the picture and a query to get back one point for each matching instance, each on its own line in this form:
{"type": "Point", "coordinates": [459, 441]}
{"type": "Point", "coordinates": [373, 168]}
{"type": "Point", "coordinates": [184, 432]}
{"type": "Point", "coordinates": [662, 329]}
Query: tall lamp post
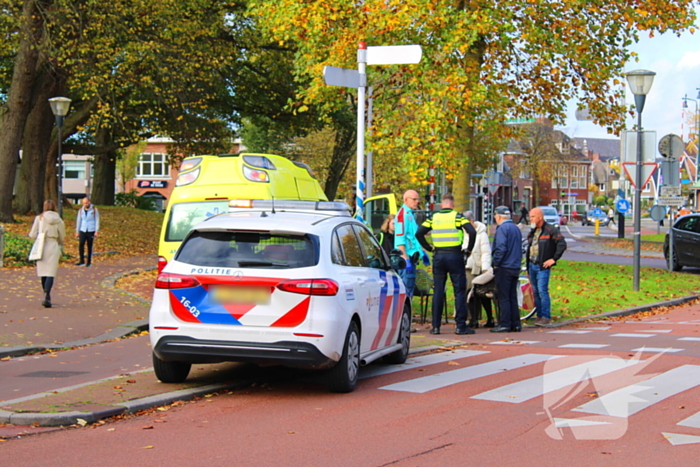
{"type": "Point", "coordinates": [640, 82]}
{"type": "Point", "coordinates": [697, 127]}
{"type": "Point", "coordinates": [59, 107]}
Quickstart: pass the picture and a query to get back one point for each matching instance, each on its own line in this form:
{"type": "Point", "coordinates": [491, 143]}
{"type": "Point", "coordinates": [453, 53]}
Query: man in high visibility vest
{"type": "Point", "coordinates": [447, 229]}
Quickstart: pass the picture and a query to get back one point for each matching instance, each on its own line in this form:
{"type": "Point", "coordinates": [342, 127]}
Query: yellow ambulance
{"type": "Point", "coordinates": [205, 184]}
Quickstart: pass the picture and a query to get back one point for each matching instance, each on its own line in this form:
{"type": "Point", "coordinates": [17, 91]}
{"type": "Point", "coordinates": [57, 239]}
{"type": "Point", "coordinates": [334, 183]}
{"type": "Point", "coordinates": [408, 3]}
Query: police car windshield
{"type": "Point", "coordinates": [248, 250]}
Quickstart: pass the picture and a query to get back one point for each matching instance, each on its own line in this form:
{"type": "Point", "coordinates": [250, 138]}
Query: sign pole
{"type": "Point", "coordinates": [360, 191]}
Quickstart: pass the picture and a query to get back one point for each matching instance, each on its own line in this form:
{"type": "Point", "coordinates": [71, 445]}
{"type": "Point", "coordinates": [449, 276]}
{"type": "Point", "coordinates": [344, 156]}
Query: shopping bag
{"type": "Point", "coordinates": [38, 247]}
{"type": "Point", "coordinates": [526, 297]}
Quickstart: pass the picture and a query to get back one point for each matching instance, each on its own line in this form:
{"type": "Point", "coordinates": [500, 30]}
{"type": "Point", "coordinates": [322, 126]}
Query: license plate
{"type": "Point", "coordinates": [240, 295]}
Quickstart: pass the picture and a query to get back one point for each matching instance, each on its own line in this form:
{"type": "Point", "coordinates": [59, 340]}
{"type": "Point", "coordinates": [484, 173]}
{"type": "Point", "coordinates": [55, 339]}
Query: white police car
{"type": "Point", "coordinates": [296, 283]}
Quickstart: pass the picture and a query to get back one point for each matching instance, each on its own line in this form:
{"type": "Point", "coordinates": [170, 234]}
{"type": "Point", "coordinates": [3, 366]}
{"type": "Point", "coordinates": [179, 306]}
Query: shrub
{"type": "Point", "coordinates": [133, 200]}
{"type": "Point", "coordinates": [16, 249]}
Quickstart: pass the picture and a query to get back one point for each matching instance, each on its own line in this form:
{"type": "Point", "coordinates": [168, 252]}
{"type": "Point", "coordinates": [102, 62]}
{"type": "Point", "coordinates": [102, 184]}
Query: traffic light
{"type": "Point", "coordinates": [563, 194]}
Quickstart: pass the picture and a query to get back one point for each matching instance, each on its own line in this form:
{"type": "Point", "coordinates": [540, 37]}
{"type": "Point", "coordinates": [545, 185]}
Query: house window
{"type": "Point", "coordinates": [153, 166]}
{"type": "Point", "coordinates": [74, 170]}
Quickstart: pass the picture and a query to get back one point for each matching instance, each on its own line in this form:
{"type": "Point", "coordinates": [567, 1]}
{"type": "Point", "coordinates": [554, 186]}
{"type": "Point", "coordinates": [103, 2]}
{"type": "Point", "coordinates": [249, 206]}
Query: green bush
{"type": "Point", "coordinates": [133, 200]}
{"type": "Point", "coordinates": [16, 249]}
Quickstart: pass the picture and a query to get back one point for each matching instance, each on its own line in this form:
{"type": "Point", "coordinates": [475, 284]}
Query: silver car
{"type": "Point", "coordinates": [551, 216]}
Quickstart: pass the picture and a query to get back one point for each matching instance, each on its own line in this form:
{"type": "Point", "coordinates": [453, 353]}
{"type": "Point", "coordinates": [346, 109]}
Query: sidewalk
{"type": "Point", "coordinates": [87, 309]}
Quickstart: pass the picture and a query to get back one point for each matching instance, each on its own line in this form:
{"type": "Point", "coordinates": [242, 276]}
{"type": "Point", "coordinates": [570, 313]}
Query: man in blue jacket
{"type": "Point", "coordinates": [507, 257]}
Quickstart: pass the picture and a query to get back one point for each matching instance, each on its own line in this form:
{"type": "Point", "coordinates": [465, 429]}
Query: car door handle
{"type": "Point", "coordinates": [361, 281]}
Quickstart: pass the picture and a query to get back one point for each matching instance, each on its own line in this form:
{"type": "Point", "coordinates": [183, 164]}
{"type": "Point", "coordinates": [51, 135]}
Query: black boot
{"type": "Point", "coordinates": [48, 284]}
{"type": "Point", "coordinates": [47, 300]}
{"type": "Point", "coordinates": [474, 309]}
{"type": "Point", "coordinates": [489, 314]}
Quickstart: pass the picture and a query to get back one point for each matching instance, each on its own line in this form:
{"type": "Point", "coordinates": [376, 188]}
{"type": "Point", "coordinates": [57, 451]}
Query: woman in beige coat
{"type": "Point", "coordinates": [51, 223]}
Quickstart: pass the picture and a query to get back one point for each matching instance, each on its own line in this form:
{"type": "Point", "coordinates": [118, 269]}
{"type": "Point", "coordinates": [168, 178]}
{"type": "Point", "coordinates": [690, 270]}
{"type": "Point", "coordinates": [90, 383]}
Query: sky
{"type": "Point", "coordinates": [676, 61]}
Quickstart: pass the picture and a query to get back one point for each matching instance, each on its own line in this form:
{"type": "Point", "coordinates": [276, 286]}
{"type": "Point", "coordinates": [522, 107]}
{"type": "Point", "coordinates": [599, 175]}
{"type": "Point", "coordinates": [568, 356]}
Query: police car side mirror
{"type": "Point", "coordinates": [397, 260]}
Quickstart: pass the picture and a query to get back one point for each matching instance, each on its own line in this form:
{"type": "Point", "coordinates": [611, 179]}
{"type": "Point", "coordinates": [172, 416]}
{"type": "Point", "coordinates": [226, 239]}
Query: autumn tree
{"type": "Point", "coordinates": [483, 62]}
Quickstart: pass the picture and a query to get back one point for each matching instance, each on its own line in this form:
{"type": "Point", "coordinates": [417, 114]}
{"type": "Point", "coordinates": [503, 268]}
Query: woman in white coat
{"type": "Point", "coordinates": [54, 230]}
{"type": "Point", "coordinates": [478, 263]}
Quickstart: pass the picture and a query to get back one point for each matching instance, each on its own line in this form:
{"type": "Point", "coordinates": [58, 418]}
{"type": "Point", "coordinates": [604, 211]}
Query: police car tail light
{"type": "Point", "coordinates": [310, 286]}
{"type": "Point", "coordinates": [175, 281]}
{"type": "Point", "coordinates": [256, 175]}
{"type": "Point", "coordinates": [162, 262]}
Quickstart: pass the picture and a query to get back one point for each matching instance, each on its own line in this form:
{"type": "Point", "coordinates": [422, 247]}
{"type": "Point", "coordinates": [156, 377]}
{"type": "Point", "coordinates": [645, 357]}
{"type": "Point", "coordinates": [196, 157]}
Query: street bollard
{"type": "Point", "coordinates": [2, 243]}
{"type": "Point", "coordinates": [597, 226]}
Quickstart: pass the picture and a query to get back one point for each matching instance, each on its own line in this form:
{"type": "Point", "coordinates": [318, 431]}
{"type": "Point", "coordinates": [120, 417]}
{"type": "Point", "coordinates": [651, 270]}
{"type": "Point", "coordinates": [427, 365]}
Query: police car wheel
{"type": "Point", "coordinates": [343, 376]}
{"type": "Point", "coordinates": [400, 356]}
{"type": "Point", "coordinates": [171, 372]}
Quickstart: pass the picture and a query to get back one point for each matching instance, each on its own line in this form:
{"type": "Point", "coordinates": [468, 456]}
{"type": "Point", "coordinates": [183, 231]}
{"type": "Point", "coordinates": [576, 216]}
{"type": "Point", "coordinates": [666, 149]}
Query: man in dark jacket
{"type": "Point", "coordinates": [507, 255]}
{"type": "Point", "coordinates": [545, 245]}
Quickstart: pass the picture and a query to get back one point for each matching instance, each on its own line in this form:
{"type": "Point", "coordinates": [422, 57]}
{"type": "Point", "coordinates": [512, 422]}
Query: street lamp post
{"type": "Point", "coordinates": [697, 128]}
{"type": "Point", "coordinates": [640, 82]}
{"type": "Point", "coordinates": [59, 107]}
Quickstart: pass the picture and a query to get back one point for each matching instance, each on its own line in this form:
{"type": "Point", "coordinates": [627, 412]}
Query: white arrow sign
{"type": "Point", "coordinates": [334, 76]}
{"type": "Point", "coordinates": [393, 54]}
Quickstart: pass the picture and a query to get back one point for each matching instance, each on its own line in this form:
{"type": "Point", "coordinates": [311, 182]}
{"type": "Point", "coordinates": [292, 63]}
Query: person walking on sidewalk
{"type": "Point", "coordinates": [611, 216]}
{"type": "Point", "coordinates": [87, 225]}
{"type": "Point", "coordinates": [51, 225]}
{"type": "Point", "coordinates": [477, 263]}
{"type": "Point", "coordinates": [545, 245]}
{"type": "Point", "coordinates": [507, 254]}
{"type": "Point", "coordinates": [448, 228]}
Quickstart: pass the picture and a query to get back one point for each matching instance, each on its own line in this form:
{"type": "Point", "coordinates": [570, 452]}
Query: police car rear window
{"type": "Point", "coordinates": [249, 250]}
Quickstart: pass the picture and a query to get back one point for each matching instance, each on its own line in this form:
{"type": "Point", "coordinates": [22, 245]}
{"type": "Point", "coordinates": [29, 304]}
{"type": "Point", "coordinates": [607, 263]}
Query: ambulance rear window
{"type": "Point", "coordinates": [249, 250]}
{"type": "Point", "coordinates": [184, 216]}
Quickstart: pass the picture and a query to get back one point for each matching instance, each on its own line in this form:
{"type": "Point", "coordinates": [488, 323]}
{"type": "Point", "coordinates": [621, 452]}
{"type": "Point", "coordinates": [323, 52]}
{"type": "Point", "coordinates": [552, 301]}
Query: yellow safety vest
{"type": "Point", "coordinates": [445, 232]}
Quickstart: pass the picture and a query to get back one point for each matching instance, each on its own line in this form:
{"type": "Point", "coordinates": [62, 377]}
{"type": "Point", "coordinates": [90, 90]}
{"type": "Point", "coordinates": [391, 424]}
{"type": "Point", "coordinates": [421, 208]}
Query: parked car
{"type": "Point", "coordinates": [295, 283]}
{"type": "Point", "coordinates": [686, 243]}
{"type": "Point", "coordinates": [551, 215]}
{"type": "Point", "coordinates": [591, 217]}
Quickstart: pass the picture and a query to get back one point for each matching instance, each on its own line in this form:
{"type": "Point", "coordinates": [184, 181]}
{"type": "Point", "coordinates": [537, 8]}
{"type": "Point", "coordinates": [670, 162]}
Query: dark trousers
{"type": "Point", "coordinates": [451, 263]}
{"type": "Point", "coordinates": [507, 294]}
{"type": "Point", "coordinates": [84, 237]}
{"type": "Point", "coordinates": [46, 284]}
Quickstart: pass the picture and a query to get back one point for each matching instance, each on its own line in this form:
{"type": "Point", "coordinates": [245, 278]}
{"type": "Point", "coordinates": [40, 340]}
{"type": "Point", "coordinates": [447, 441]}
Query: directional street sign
{"type": "Point", "coordinates": [622, 206]}
{"type": "Point", "coordinates": [334, 76]}
{"type": "Point", "coordinates": [393, 54]}
{"type": "Point", "coordinates": [670, 191]}
{"type": "Point", "coordinates": [648, 169]}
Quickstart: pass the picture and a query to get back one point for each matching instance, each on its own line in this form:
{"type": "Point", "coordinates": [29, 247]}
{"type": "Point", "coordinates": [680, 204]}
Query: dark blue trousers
{"type": "Point", "coordinates": [451, 263]}
{"type": "Point", "coordinates": [507, 295]}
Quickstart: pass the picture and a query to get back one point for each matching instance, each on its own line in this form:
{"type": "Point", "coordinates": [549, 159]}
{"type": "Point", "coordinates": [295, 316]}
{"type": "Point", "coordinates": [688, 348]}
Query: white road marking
{"type": "Point", "coordinates": [656, 330]}
{"type": "Point", "coordinates": [568, 423]}
{"type": "Point", "coordinates": [441, 380]}
{"type": "Point", "coordinates": [514, 342]}
{"type": "Point", "coordinates": [658, 349]}
{"type": "Point", "coordinates": [417, 362]}
{"type": "Point", "coordinates": [693, 421]}
{"type": "Point", "coordinates": [583, 346]}
{"type": "Point", "coordinates": [622, 334]}
{"type": "Point", "coordinates": [598, 328]}
{"type": "Point", "coordinates": [689, 338]}
{"type": "Point", "coordinates": [678, 439]}
{"type": "Point", "coordinates": [632, 399]}
{"type": "Point", "coordinates": [534, 387]}
{"type": "Point", "coordinates": [569, 332]}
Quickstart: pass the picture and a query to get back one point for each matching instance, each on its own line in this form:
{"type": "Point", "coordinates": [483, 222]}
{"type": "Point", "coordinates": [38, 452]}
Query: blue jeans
{"type": "Point", "coordinates": [539, 278]}
{"type": "Point", "coordinates": [409, 280]}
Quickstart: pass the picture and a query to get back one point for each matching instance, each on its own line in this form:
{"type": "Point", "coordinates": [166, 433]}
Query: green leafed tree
{"type": "Point", "coordinates": [483, 63]}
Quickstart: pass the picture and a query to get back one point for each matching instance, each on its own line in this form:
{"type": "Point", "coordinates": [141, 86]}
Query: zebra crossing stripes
{"type": "Point", "coordinates": [440, 380]}
{"type": "Point", "coordinates": [625, 334]}
{"type": "Point", "coordinates": [656, 331]}
{"type": "Point", "coordinates": [571, 331]}
{"type": "Point", "coordinates": [657, 349]}
{"type": "Point", "coordinates": [632, 399]}
{"type": "Point", "coordinates": [552, 381]}
{"type": "Point", "coordinates": [689, 338]}
{"type": "Point", "coordinates": [693, 421]}
{"type": "Point", "coordinates": [417, 362]}
{"type": "Point", "coordinates": [584, 346]}
{"type": "Point", "coordinates": [514, 342]}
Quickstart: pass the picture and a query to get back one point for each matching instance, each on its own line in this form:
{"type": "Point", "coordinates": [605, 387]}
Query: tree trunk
{"type": "Point", "coordinates": [35, 146]}
{"type": "Point", "coordinates": [14, 114]}
{"type": "Point", "coordinates": [105, 164]}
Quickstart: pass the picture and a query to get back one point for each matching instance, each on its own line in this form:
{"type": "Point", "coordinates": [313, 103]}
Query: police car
{"type": "Point", "coordinates": [296, 283]}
